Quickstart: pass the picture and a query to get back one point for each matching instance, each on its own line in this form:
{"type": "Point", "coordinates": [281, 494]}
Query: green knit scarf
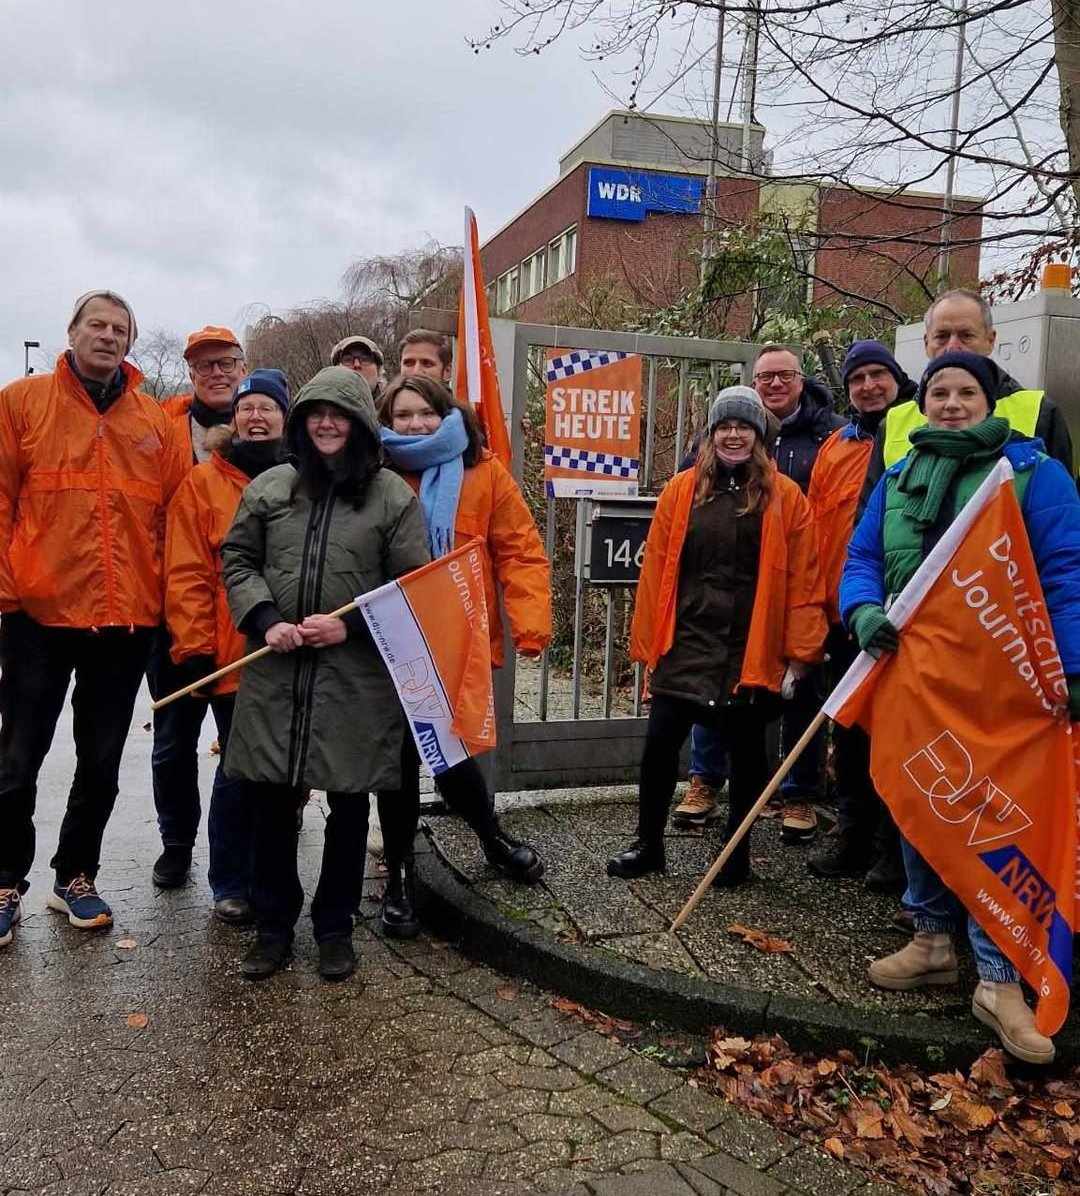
{"type": "Point", "coordinates": [937, 456]}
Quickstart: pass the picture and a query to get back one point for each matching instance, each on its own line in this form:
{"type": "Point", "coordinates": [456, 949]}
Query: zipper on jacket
{"type": "Point", "coordinates": [106, 531]}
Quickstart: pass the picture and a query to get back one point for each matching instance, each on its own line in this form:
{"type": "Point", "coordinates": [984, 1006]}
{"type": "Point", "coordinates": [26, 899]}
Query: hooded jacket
{"type": "Point", "coordinates": [491, 507]}
{"type": "Point", "coordinates": [788, 620]}
{"type": "Point", "coordinates": [82, 501]}
{"type": "Point", "coordinates": [196, 605]}
{"type": "Point", "coordinates": [876, 561]}
{"type": "Point", "coordinates": [797, 443]}
{"type": "Point", "coordinates": [1050, 428]}
{"type": "Point", "coordinates": [323, 718]}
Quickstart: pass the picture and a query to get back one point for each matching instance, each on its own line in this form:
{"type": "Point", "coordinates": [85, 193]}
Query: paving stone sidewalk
{"type": "Point", "coordinates": [425, 1073]}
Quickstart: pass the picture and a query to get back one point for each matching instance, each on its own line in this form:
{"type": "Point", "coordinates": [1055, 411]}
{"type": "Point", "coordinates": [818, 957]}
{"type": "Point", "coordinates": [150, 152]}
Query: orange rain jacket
{"type": "Point", "coordinates": [492, 507]}
{"type": "Point", "coordinates": [835, 484]}
{"type": "Point", "coordinates": [787, 622]}
{"type": "Point", "coordinates": [82, 502]}
{"type": "Point", "coordinates": [196, 604]}
{"type": "Point", "coordinates": [176, 407]}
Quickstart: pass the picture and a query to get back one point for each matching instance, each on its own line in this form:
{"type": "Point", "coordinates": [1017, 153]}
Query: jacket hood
{"type": "Point", "coordinates": [815, 407]}
{"type": "Point", "coordinates": [342, 387]}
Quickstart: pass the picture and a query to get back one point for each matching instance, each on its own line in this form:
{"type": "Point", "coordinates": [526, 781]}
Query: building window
{"type": "Point", "coordinates": [491, 292]}
{"type": "Point", "coordinates": [562, 256]}
{"type": "Point", "coordinates": [533, 274]}
{"type": "Point", "coordinates": [507, 290]}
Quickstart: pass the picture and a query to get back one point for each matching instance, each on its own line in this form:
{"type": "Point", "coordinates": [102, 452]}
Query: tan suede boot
{"type": "Point", "coordinates": [1002, 1007]}
{"type": "Point", "coordinates": [927, 959]}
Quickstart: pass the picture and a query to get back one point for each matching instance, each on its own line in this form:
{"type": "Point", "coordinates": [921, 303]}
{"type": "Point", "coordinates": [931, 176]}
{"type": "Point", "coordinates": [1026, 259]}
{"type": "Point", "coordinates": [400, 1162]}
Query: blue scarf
{"type": "Point", "coordinates": [437, 458]}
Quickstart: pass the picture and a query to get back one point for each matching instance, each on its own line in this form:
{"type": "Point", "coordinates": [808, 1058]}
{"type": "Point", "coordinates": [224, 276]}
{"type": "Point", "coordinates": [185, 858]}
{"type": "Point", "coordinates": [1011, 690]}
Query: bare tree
{"type": "Point", "coordinates": [160, 355]}
{"type": "Point", "coordinates": [860, 93]}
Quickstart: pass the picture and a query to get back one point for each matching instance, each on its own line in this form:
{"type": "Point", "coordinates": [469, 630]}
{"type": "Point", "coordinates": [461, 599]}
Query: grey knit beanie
{"type": "Point", "coordinates": [113, 297]}
{"type": "Point", "coordinates": [738, 402]}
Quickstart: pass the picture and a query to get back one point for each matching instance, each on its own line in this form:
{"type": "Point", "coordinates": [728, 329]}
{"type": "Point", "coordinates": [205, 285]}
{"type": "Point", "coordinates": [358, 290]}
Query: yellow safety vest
{"type": "Point", "coordinates": [1021, 409]}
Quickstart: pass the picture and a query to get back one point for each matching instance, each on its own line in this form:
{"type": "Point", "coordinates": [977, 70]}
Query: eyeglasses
{"type": "Point", "coordinates": [767, 376]}
{"type": "Point", "coordinates": [729, 426]}
{"type": "Point", "coordinates": [226, 364]}
{"type": "Point", "coordinates": [256, 408]}
{"type": "Point", "coordinates": [357, 359]}
{"type": "Point", "coordinates": [334, 414]}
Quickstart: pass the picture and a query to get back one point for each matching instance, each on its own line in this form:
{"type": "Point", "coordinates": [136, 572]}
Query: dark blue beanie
{"type": "Point", "coordinates": [870, 353]}
{"type": "Point", "coordinates": [272, 383]}
{"type": "Point", "coordinates": [981, 368]}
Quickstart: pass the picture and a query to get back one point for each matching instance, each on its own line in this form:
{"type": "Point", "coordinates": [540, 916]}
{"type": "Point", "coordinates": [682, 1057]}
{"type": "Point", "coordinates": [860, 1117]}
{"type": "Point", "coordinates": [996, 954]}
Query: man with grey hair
{"type": "Point", "coordinates": [962, 319]}
{"type": "Point", "coordinates": [87, 466]}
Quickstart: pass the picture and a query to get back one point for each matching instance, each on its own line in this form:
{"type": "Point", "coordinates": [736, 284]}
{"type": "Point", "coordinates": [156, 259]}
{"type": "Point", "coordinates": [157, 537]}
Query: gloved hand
{"type": "Point", "coordinates": [871, 627]}
{"type": "Point", "coordinates": [192, 669]}
{"type": "Point", "coordinates": [1074, 699]}
{"type": "Point", "coordinates": [793, 674]}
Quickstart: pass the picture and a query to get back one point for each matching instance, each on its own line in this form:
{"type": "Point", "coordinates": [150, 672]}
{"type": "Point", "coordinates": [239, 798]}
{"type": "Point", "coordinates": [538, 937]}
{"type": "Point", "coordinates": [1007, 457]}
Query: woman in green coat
{"type": "Point", "coordinates": [319, 711]}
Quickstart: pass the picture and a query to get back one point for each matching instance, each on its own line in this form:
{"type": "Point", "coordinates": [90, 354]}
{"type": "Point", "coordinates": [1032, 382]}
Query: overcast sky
{"type": "Point", "coordinates": [204, 157]}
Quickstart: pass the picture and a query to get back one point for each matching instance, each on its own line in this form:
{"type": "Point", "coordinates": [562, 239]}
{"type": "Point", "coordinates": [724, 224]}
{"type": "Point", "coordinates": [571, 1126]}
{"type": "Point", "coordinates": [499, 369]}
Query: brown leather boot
{"type": "Point", "coordinates": [927, 959]}
{"type": "Point", "coordinates": [1002, 1007]}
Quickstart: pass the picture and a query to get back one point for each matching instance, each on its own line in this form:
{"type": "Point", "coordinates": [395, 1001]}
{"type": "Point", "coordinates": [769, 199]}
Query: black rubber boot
{"type": "Point", "coordinates": [842, 854]}
{"type": "Point", "coordinates": [517, 861]}
{"type": "Point", "coordinates": [337, 959]}
{"type": "Point", "coordinates": [172, 867]}
{"type": "Point", "coordinates": [639, 859]}
{"type": "Point", "coordinates": [266, 957]}
{"type": "Point", "coordinates": [398, 918]}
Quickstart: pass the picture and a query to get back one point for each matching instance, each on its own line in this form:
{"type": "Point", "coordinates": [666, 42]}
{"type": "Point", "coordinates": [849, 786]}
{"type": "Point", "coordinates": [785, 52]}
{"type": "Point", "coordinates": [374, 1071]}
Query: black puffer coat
{"type": "Point", "coordinates": [797, 445]}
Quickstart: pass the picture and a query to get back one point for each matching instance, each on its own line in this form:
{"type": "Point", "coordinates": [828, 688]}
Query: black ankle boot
{"type": "Point", "coordinates": [398, 917]}
{"type": "Point", "coordinates": [171, 868]}
{"type": "Point", "coordinates": [842, 854]}
{"type": "Point", "coordinates": [637, 860]}
{"type": "Point", "coordinates": [517, 861]}
{"type": "Point", "coordinates": [265, 957]}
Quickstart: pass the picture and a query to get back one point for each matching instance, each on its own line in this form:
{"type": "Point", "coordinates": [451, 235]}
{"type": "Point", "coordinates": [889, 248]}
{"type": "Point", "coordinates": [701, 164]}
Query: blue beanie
{"type": "Point", "coordinates": [870, 353]}
{"type": "Point", "coordinates": [271, 383]}
{"type": "Point", "coordinates": [981, 368]}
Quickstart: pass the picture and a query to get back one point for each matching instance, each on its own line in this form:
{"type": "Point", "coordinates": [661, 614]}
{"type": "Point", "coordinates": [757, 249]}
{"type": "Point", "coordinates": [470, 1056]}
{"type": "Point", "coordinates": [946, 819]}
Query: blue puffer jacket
{"type": "Point", "coordinates": [1051, 512]}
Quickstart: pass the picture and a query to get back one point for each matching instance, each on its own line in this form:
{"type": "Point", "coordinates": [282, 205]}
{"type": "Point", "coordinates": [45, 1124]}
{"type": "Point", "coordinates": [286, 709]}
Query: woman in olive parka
{"type": "Point", "coordinates": [320, 711]}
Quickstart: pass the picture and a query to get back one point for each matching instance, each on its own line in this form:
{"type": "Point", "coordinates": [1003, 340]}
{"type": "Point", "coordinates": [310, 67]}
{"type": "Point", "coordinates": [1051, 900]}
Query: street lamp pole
{"type": "Point", "coordinates": [28, 369]}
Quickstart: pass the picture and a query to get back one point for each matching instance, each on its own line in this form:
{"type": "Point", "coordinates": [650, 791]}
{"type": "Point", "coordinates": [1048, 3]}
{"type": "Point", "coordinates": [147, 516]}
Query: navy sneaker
{"type": "Point", "coordinates": [80, 901]}
{"type": "Point", "coordinates": [10, 914]}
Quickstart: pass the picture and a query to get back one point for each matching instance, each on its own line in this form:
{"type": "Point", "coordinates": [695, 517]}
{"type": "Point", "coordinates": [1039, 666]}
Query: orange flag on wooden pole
{"type": "Point", "coordinates": [475, 380]}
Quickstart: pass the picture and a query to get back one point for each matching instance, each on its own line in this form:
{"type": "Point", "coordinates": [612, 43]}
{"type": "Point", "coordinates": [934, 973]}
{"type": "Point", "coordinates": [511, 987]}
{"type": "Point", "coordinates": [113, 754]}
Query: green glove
{"type": "Point", "coordinates": [871, 627]}
{"type": "Point", "coordinates": [1074, 699]}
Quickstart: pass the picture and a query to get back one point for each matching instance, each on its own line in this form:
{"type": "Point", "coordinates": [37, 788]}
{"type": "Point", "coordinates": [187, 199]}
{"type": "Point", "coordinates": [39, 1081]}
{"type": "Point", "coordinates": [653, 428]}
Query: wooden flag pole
{"type": "Point", "coordinates": [236, 664]}
{"type": "Point", "coordinates": [744, 827]}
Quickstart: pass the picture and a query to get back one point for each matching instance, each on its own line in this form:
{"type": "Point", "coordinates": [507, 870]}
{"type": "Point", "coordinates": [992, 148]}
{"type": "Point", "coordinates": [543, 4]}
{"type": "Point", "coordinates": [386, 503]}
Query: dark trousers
{"type": "Point", "coordinates": [804, 781]}
{"type": "Point", "coordinates": [276, 894]}
{"type": "Point", "coordinates": [36, 666]}
{"type": "Point", "coordinates": [175, 759]}
{"type": "Point", "coordinates": [230, 825]}
{"type": "Point", "coordinates": [740, 724]}
{"type": "Point", "coordinates": [462, 787]}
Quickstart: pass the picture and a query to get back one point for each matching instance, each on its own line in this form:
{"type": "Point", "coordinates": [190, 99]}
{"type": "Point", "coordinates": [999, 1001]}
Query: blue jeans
{"type": "Point", "coordinates": [937, 910]}
{"type": "Point", "coordinates": [803, 783]}
{"type": "Point", "coordinates": [708, 756]}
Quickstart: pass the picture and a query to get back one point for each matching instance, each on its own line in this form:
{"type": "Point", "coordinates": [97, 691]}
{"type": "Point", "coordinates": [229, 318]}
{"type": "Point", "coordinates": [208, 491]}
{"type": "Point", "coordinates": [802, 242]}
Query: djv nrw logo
{"type": "Point", "coordinates": [944, 770]}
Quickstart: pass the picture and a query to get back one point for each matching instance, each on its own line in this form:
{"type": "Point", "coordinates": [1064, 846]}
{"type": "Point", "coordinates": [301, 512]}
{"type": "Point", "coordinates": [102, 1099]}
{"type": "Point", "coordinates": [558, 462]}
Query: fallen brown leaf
{"type": "Point", "coordinates": [1064, 1109]}
{"type": "Point", "coordinates": [126, 944]}
{"type": "Point", "coordinates": [507, 992]}
{"type": "Point", "coordinates": [868, 1121]}
{"type": "Point", "coordinates": [762, 941]}
{"type": "Point", "coordinates": [906, 1125]}
{"type": "Point", "coordinates": [137, 1021]}
{"type": "Point", "coordinates": [835, 1147]}
{"type": "Point", "coordinates": [989, 1069]}
{"type": "Point", "coordinates": [965, 1114]}
{"type": "Point", "coordinates": [826, 1067]}
{"type": "Point", "coordinates": [1052, 1169]}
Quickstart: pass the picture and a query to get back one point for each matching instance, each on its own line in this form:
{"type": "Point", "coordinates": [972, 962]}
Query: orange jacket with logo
{"type": "Point", "coordinates": [492, 507]}
{"type": "Point", "coordinates": [835, 485]}
{"type": "Point", "coordinates": [787, 623]}
{"type": "Point", "coordinates": [82, 501]}
{"type": "Point", "coordinates": [177, 407]}
{"type": "Point", "coordinates": [196, 605]}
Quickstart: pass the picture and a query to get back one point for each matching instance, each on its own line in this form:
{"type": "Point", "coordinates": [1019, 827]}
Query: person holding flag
{"type": "Point", "coordinates": [729, 613]}
{"type": "Point", "coordinates": [909, 512]}
{"type": "Point", "coordinates": [320, 710]}
{"type": "Point", "coordinates": [434, 441]}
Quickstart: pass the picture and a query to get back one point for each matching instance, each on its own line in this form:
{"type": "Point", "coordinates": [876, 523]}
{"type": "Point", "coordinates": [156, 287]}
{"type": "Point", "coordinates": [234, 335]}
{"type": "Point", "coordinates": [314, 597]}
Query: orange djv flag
{"type": "Point", "coordinates": [475, 379]}
{"type": "Point", "coordinates": [970, 741]}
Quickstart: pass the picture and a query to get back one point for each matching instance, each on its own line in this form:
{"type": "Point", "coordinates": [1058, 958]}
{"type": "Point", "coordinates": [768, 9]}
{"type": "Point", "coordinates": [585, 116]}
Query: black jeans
{"type": "Point", "coordinates": [36, 666]}
{"type": "Point", "coordinates": [740, 723]}
{"type": "Point", "coordinates": [463, 788]}
{"type": "Point", "coordinates": [175, 759]}
{"type": "Point", "coordinates": [276, 891]}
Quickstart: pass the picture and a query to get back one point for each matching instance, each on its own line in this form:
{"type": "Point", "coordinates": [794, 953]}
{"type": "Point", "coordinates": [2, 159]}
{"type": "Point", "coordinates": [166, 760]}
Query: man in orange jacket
{"type": "Point", "coordinates": [865, 837]}
{"type": "Point", "coordinates": [87, 466]}
{"type": "Point", "coordinates": [202, 421]}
